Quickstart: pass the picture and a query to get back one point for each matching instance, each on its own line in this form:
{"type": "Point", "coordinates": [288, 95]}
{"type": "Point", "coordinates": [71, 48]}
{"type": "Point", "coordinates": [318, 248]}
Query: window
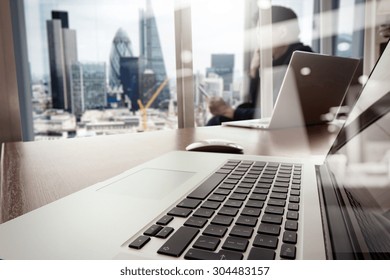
{"type": "Point", "coordinates": [218, 38]}
{"type": "Point", "coordinates": [99, 62]}
{"type": "Point", "coordinates": [106, 67]}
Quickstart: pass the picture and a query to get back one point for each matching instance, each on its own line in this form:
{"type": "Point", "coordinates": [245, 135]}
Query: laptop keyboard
{"type": "Point", "coordinates": [245, 210]}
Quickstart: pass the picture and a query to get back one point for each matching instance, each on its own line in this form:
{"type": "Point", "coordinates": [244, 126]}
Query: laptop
{"type": "Point", "coordinates": [196, 205]}
{"type": "Point", "coordinates": [313, 85]}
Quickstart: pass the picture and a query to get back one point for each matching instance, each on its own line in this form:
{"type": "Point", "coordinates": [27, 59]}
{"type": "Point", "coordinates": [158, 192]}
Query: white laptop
{"type": "Point", "coordinates": [195, 205]}
{"type": "Point", "coordinates": [313, 84]}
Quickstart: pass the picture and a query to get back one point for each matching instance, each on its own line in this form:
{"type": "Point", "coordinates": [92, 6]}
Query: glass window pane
{"type": "Point", "coordinates": [101, 67]}
{"type": "Point", "coordinates": [218, 53]}
{"type": "Point", "coordinates": [226, 41]}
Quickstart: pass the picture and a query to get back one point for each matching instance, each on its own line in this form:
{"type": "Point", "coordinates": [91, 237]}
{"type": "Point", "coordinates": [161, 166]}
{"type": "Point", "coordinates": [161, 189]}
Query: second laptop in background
{"type": "Point", "coordinates": [313, 84]}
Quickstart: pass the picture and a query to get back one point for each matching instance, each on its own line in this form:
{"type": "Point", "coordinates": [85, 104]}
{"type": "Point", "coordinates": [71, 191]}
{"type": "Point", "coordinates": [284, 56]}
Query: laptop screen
{"type": "Point", "coordinates": [359, 164]}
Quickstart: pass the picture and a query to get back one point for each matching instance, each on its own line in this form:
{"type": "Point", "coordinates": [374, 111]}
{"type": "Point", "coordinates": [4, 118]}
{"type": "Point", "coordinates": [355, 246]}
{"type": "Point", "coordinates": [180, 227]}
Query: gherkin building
{"type": "Point", "coordinates": [121, 47]}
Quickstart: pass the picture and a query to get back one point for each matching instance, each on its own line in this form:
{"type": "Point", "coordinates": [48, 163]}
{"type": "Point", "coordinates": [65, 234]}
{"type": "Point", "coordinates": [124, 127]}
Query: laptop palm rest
{"type": "Point", "coordinates": [148, 183]}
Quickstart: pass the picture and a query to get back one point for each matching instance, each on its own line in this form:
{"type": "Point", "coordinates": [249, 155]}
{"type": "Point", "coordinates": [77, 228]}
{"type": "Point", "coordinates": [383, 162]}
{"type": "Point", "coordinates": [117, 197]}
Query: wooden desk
{"type": "Point", "coordinates": [36, 173]}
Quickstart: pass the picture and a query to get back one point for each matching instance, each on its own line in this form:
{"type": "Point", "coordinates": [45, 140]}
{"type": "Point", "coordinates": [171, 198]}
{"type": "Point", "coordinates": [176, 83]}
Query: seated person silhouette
{"type": "Point", "coordinates": [286, 30]}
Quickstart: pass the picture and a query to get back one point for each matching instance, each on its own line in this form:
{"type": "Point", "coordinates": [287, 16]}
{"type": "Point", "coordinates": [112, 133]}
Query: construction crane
{"type": "Point", "coordinates": [150, 102]}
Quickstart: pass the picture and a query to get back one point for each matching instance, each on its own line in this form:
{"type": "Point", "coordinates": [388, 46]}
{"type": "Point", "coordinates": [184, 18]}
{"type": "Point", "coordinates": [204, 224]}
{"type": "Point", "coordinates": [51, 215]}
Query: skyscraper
{"type": "Point", "coordinates": [121, 47]}
{"type": "Point", "coordinates": [88, 87]}
{"type": "Point", "coordinates": [223, 66]}
{"type": "Point", "coordinates": [151, 57]}
{"type": "Point", "coordinates": [129, 73]}
{"type": "Point", "coordinates": [62, 44]}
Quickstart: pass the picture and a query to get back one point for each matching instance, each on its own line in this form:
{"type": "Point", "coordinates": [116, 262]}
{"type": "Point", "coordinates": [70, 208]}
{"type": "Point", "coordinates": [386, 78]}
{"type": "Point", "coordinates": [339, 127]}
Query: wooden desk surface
{"type": "Point", "coordinates": [36, 173]}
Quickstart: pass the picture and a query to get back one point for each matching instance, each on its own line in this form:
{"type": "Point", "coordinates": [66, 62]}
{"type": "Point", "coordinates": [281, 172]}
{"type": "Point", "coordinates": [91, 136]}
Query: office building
{"type": "Point", "coordinates": [151, 56]}
{"type": "Point", "coordinates": [213, 85]}
{"type": "Point", "coordinates": [88, 87]}
{"type": "Point", "coordinates": [114, 97]}
{"type": "Point", "coordinates": [223, 66]}
{"type": "Point", "coordinates": [62, 44]}
{"type": "Point", "coordinates": [121, 47]}
{"type": "Point", "coordinates": [148, 85]}
{"type": "Point", "coordinates": [129, 76]}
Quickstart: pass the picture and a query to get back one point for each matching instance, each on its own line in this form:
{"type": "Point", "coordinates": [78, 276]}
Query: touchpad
{"type": "Point", "coordinates": [149, 183]}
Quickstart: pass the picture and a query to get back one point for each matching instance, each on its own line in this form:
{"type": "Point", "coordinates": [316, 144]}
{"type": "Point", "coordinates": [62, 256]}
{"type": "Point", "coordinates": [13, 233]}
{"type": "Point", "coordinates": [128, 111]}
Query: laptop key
{"type": "Point", "coordinates": [217, 198]}
{"type": "Point", "coordinates": [196, 254]}
{"type": "Point", "coordinates": [227, 186]}
{"type": "Point", "coordinates": [260, 163]}
{"type": "Point", "coordinates": [139, 242]}
{"type": "Point", "coordinates": [290, 237]}
{"type": "Point", "coordinates": [211, 205]}
{"type": "Point", "coordinates": [261, 254]}
{"type": "Point", "coordinates": [180, 212]}
{"type": "Point", "coordinates": [222, 191]}
{"type": "Point", "coordinates": [281, 184]}
{"type": "Point", "coordinates": [274, 210]}
{"type": "Point", "coordinates": [282, 180]}
{"type": "Point", "coordinates": [222, 220]}
{"type": "Point", "coordinates": [178, 242]}
{"type": "Point", "coordinates": [267, 241]}
{"type": "Point", "coordinates": [235, 244]}
{"type": "Point", "coordinates": [265, 180]}
{"type": "Point", "coordinates": [246, 221]}
{"type": "Point", "coordinates": [253, 212]}
{"type": "Point", "coordinates": [288, 251]}
{"type": "Point", "coordinates": [260, 191]}
{"type": "Point", "coordinates": [189, 203]}
{"type": "Point", "coordinates": [272, 219]}
{"type": "Point", "coordinates": [245, 185]}
{"type": "Point", "coordinates": [295, 187]}
{"type": "Point", "coordinates": [233, 203]}
{"type": "Point", "coordinates": [277, 202]}
{"type": "Point", "coordinates": [238, 196]}
{"type": "Point", "coordinates": [269, 229]}
{"type": "Point", "coordinates": [263, 186]}
{"type": "Point", "coordinates": [256, 196]}
{"type": "Point", "coordinates": [165, 232]}
{"type": "Point", "coordinates": [164, 220]}
{"type": "Point", "coordinates": [215, 230]}
{"type": "Point", "coordinates": [249, 180]}
{"type": "Point", "coordinates": [207, 243]}
{"type": "Point", "coordinates": [241, 231]}
{"type": "Point", "coordinates": [295, 192]}
{"type": "Point", "coordinates": [280, 190]}
{"type": "Point", "coordinates": [292, 215]}
{"type": "Point", "coordinates": [231, 181]}
{"type": "Point", "coordinates": [293, 206]}
{"type": "Point", "coordinates": [224, 171]}
{"type": "Point", "coordinates": [207, 186]}
{"type": "Point", "coordinates": [197, 222]}
{"type": "Point", "coordinates": [278, 195]}
{"type": "Point", "coordinates": [291, 225]}
{"type": "Point", "coordinates": [228, 211]}
{"type": "Point", "coordinates": [203, 212]}
{"type": "Point", "coordinates": [242, 190]}
{"type": "Point", "coordinates": [153, 230]}
{"type": "Point", "coordinates": [255, 204]}
{"type": "Point", "coordinates": [294, 199]}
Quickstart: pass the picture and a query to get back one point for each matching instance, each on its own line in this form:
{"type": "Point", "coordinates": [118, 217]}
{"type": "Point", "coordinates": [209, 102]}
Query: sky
{"type": "Point", "coordinates": [216, 29]}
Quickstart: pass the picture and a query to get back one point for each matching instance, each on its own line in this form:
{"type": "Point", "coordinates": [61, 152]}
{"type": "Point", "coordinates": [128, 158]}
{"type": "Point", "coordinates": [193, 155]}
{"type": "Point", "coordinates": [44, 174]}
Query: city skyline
{"type": "Point", "coordinates": [97, 22]}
